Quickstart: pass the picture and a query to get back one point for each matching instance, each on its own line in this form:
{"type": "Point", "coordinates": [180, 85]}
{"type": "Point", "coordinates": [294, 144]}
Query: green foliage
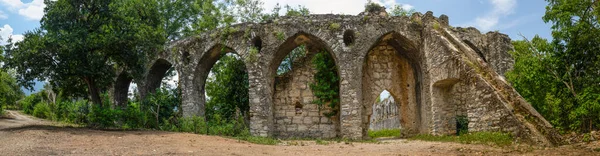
{"type": "Point", "coordinates": [398, 10]}
{"type": "Point", "coordinates": [280, 35]}
{"type": "Point", "coordinates": [539, 77]}
{"type": "Point", "coordinates": [334, 26]}
{"type": "Point", "coordinates": [29, 102]}
{"type": "Point", "coordinates": [326, 85]}
{"type": "Point", "coordinates": [371, 6]}
{"type": "Point", "coordinates": [42, 110]}
{"type": "Point", "coordinates": [10, 91]}
{"type": "Point", "coordinates": [436, 26]}
{"type": "Point", "coordinates": [77, 44]}
{"type": "Point", "coordinates": [252, 55]}
{"type": "Point", "coordinates": [565, 69]}
{"type": "Point", "coordinates": [227, 89]}
{"type": "Point", "coordinates": [259, 140]}
{"type": "Point", "coordinates": [462, 125]}
{"type": "Point", "coordinates": [486, 138]}
{"type": "Point", "coordinates": [384, 133]}
{"type": "Point", "coordinates": [299, 11]}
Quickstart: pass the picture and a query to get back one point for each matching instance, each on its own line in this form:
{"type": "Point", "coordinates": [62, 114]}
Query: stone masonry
{"type": "Point", "coordinates": [436, 72]}
{"type": "Point", "coordinates": [295, 113]}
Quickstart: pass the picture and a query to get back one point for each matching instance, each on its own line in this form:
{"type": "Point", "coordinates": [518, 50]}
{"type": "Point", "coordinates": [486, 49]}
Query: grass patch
{"type": "Point", "coordinates": [486, 138]}
{"type": "Point", "coordinates": [259, 140]}
{"type": "Point", "coordinates": [321, 142]}
{"type": "Point", "coordinates": [384, 133]}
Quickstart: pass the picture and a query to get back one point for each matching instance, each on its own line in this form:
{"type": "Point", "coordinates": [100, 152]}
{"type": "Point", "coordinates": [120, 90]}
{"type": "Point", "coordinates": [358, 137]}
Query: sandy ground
{"type": "Point", "coordinates": [25, 135]}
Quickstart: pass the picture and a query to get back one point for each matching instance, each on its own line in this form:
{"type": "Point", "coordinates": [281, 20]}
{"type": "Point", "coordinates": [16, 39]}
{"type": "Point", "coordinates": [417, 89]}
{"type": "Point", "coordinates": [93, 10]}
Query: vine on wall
{"type": "Point", "coordinates": [326, 83]}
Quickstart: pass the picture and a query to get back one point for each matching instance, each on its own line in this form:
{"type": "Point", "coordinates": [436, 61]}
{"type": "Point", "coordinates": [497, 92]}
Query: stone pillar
{"type": "Point", "coordinates": [192, 102]}
{"type": "Point", "coordinates": [260, 97]}
{"type": "Point", "coordinates": [350, 96]}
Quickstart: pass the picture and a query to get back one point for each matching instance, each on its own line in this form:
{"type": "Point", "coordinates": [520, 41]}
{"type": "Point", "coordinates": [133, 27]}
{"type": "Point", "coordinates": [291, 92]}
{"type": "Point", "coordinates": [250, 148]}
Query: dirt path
{"type": "Point", "coordinates": [25, 135]}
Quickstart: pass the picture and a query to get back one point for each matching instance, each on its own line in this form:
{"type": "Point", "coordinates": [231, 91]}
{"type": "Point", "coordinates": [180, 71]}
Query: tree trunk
{"type": "Point", "coordinates": [93, 91]}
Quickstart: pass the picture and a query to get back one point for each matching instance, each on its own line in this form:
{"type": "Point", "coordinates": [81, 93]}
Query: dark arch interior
{"type": "Point", "coordinates": [157, 72]}
{"type": "Point", "coordinates": [122, 88]}
{"type": "Point", "coordinates": [349, 37]}
{"type": "Point", "coordinates": [257, 43]}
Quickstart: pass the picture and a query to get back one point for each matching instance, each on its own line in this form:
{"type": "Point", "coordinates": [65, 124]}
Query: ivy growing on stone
{"type": "Point", "coordinates": [326, 83]}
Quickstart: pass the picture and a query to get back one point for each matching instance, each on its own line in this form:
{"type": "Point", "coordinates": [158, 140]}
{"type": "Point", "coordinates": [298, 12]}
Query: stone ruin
{"type": "Point", "coordinates": [436, 72]}
{"type": "Point", "coordinates": [385, 115]}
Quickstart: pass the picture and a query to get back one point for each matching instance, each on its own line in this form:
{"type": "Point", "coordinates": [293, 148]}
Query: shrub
{"type": "Point", "coordinates": [41, 110]}
{"type": "Point", "coordinates": [29, 102]}
{"type": "Point", "coordinates": [334, 26]}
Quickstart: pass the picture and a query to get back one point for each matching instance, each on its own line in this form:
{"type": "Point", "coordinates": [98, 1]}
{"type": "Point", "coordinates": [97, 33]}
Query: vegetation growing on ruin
{"type": "Point", "coordinates": [326, 83]}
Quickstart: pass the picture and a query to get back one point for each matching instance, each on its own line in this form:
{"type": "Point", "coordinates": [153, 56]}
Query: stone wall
{"type": "Point", "coordinates": [295, 113]}
{"type": "Point", "coordinates": [435, 72]}
{"type": "Point", "coordinates": [385, 115]}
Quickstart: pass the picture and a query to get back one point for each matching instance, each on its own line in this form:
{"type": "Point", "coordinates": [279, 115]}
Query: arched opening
{"type": "Point", "coordinates": [385, 113]}
{"type": "Point", "coordinates": [223, 84]}
{"type": "Point", "coordinates": [302, 71]}
{"type": "Point", "coordinates": [159, 70]}
{"type": "Point", "coordinates": [349, 37]}
{"type": "Point", "coordinates": [389, 65]}
{"type": "Point", "coordinates": [385, 118]}
{"type": "Point", "coordinates": [121, 89]}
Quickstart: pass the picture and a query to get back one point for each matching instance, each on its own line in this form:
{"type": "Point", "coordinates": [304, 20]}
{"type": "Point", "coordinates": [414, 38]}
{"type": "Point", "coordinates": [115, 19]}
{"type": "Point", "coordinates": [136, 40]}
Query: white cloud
{"type": "Point", "coordinates": [2, 15]}
{"type": "Point", "coordinates": [33, 10]}
{"type": "Point", "coordinates": [6, 32]}
{"type": "Point", "coordinates": [500, 8]}
{"type": "Point", "coordinates": [12, 4]}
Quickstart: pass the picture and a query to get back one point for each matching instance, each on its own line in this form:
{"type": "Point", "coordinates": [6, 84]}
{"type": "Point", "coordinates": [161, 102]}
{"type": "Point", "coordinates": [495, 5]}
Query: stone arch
{"type": "Point", "coordinates": [203, 68]}
{"type": "Point", "coordinates": [121, 89]}
{"type": "Point", "coordinates": [392, 64]}
{"type": "Point", "coordinates": [294, 113]}
{"type": "Point", "coordinates": [157, 72]}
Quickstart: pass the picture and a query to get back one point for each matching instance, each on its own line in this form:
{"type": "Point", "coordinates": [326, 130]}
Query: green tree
{"type": "Point", "coordinates": [84, 42]}
{"type": "Point", "coordinates": [576, 32]}
{"type": "Point", "coordinates": [398, 10]}
{"type": "Point", "coordinates": [560, 78]}
{"type": "Point", "coordinates": [10, 91]}
{"type": "Point", "coordinates": [227, 88]}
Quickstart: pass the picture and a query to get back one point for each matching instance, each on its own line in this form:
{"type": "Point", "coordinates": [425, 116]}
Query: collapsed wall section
{"type": "Point", "coordinates": [296, 115]}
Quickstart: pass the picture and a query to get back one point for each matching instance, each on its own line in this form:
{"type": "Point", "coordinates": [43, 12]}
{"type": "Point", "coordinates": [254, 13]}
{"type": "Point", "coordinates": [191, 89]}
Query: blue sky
{"type": "Point", "coordinates": [507, 16]}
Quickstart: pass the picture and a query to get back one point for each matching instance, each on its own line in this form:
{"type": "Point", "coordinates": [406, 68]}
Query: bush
{"type": "Point", "coordinates": [41, 110]}
{"type": "Point", "coordinates": [29, 102]}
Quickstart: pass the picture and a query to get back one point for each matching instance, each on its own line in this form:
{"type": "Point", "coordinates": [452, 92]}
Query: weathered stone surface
{"type": "Point", "coordinates": [436, 73]}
